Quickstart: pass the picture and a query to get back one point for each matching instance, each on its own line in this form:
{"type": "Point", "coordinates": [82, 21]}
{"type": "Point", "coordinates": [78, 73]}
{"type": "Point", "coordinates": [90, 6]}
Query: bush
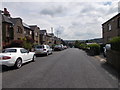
{"type": "Point", "coordinates": [77, 44]}
{"type": "Point", "coordinates": [83, 46]}
{"type": "Point", "coordinates": [27, 45]}
{"type": "Point", "coordinates": [16, 43]}
{"type": "Point", "coordinates": [94, 49]}
{"type": "Point", "coordinates": [115, 43]}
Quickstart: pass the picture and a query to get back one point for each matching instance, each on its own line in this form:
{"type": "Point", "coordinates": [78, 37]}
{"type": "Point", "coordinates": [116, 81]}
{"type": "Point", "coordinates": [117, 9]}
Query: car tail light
{"type": "Point", "coordinates": [44, 49]}
{"type": "Point", "coordinates": [6, 57]}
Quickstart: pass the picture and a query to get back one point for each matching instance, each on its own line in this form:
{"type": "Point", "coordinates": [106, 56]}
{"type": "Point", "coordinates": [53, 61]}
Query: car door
{"type": "Point", "coordinates": [49, 49]}
{"type": "Point", "coordinates": [25, 55]}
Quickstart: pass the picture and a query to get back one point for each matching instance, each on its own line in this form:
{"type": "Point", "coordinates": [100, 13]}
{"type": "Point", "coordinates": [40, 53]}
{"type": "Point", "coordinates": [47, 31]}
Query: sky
{"type": "Point", "coordinates": [72, 20]}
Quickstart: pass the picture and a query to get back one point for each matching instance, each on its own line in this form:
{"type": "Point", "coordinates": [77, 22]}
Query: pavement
{"type": "Point", "coordinates": [101, 58]}
{"type": "Point", "coordinates": [70, 68]}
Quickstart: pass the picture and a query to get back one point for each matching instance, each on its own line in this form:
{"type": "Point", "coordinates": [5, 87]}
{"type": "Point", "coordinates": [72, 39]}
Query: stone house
{"type": "Point", "coordinates": [43, 36]}
{"type": "Point", "coordinates": [50, 39]}
{"type": "Point", "coordinates": [28, 32]}
{"type": "Point", "coordinates": [57, 40]}
{"type": "Point", "coordinates": [7, 27]}
{"type": "Point", "coordinates": [18, 28]}
{"type": "Point", "coordinates": [111, 28]}
{"type": "Point", "coordinates": [36, 31]}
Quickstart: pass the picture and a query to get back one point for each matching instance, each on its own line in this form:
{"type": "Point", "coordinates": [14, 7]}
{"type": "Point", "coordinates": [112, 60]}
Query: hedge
{"type": "Point", "coordinates": [115, 43]}
{"type": "Point", "coordinates": [94, 49]}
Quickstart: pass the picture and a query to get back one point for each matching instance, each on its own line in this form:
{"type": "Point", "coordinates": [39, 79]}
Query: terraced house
{"type": "Point", "coordinates": [7, 27]}
{"type": "Point", "coordinates": [36, 31]}
{"type": "Point", "coordinates": [111, 28]}
{"type": "Point", "coordinates": [28, 32]}
{"type": "Point", "coordinates": [43, 37]}
{"type": "Point", "coordinates": [50, 39]}
{"type": "Point", "coordinates": [16, 29]}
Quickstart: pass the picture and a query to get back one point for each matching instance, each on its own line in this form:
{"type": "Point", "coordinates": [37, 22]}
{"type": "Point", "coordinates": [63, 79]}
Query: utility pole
{"type": "Point", "coordinates": [57, 33]}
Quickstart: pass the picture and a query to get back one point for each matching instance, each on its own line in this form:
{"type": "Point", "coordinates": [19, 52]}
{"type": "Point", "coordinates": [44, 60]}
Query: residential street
{"type": "Point", "coordinates": [70, 68]}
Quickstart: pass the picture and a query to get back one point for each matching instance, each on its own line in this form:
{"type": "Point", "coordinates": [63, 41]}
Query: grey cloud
{"type": "Point", "coordinates": [59, 30]}
{"type": "Point", "coordinates": [84, 35]}
{"type": "Point", "coordinates": [52, 11]}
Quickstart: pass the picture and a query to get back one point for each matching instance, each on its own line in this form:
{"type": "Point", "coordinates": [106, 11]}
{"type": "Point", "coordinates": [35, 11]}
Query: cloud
{"type": "Point", "coordinates": [52, 11]}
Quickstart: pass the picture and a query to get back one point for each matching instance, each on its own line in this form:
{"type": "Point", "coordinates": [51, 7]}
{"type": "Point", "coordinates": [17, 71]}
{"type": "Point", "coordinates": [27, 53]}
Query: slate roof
{"type": "Point", "coordinates": [14, 20]}
{"type": "Point", "coordinates": [33, 27]}
{"type": "Point", "coordinates": [26, 26]}
{"type": "Point", "coordinates": [6, 19]}
{"type": "Point", "coordinates": [111, 18]}
{"type": "Point", "coordinates": [43, 31]}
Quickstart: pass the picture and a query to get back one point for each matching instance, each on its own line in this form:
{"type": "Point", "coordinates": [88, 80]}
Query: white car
{"type": "Point", "coordinates": [16, 57]}
{"type": "Point", "coordinates": [43, 49]}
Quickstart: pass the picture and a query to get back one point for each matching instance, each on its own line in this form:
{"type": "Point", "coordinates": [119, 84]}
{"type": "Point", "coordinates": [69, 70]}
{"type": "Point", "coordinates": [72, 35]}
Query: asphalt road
{"type": "Point", "coordinates": [71, 68]}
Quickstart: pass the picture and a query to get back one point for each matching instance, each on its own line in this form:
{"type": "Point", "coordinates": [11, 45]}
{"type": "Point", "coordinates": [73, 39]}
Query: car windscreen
{"type": "Point", "coordinates": [9, 51]}
{"type": "Point", "coordinates": [39, 47]}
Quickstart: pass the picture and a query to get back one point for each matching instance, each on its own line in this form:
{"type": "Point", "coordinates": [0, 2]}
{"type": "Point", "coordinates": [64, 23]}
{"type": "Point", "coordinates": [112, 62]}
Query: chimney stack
{"type": "Point", "coordinates": [6, 13]}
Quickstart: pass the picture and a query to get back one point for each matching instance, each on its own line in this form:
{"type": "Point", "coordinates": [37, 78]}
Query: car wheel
{"type": "Point", "coordinates": [34, 58]}
{"type": "Point", "coordinates": [47, 54]}
{"type": "Point", "coordinates": [18, 63]}
{"type": "Point", "coordinates": [51, 52]}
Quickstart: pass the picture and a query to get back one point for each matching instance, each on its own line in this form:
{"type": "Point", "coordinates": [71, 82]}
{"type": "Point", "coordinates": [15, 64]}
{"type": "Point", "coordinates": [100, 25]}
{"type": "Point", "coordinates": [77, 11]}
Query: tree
{"type": "Point", "coordinates": [77, 44]}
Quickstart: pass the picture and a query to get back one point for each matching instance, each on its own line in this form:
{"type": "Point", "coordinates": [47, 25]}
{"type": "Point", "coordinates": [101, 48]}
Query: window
{"type": "Point", "coordinates": [24, 51]}
{"type": "Point", "coordinates": [30, 32]}
{"type": "Point", "coordinates": [109, 27]}
{"type": "Point", "coordinates": [39, 47]}
{"type": "Point", "coordinates": [18, 38]}
{"type": "Point", "coordinates": [36, 34]}
{"type": "Point", "coordinates": [24, 32]}
{"type": "Point", "coordinates": [10, 50]}
{"type": "Point", "coordinates": [19, 30]}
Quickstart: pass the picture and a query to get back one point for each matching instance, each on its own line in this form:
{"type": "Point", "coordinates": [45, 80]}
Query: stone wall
{"type": "Point", "coordinates": [113, 57]}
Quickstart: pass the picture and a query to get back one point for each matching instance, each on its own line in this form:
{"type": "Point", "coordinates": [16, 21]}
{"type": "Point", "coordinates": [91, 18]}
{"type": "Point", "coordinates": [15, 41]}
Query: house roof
{"type": "Point", "coordinates": [6, 19]}
{"type": "Point", "coordinates": [14, 20]}
{"type": "Point", "coordinates": [26, 26]}
{"type": "Point", "coordinates": [111, 18]}
{"type": "Point", "coordinates": [33, 27]}
{"type": "Point", "coordinates": [50, 34]}
{"type": "Point", "coordinates": [43, 31]}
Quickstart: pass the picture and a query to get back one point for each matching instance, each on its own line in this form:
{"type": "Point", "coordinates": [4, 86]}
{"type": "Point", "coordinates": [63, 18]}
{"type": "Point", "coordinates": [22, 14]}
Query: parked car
{"type": "Point", "coordinates": [16, 57]}
{"type": "Point", "coordinates": [58, 48]}
{"type": "Point", "coordinates": [104, 52]}
{"type": "Point", "coordinates": [106, 48]}
{"type": "Point", "coordinates": [64, 47]}
{"type": "Point", "coordinates": [43, 49]}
